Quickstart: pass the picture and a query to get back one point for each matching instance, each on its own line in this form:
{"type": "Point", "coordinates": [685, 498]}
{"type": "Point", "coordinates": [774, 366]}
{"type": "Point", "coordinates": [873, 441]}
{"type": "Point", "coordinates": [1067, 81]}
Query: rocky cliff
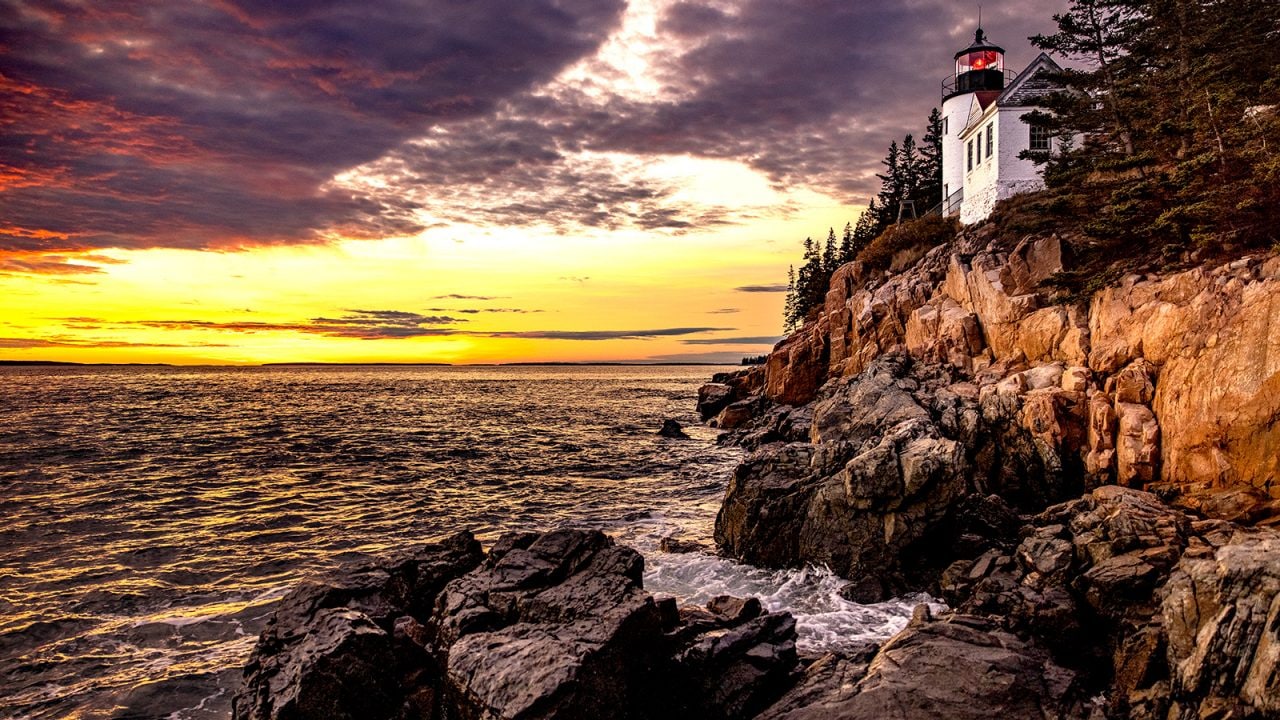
{"type": "Point", "coordinates": [1168, 382]}
{"type": "Point", "coordinates": [1096, 475]}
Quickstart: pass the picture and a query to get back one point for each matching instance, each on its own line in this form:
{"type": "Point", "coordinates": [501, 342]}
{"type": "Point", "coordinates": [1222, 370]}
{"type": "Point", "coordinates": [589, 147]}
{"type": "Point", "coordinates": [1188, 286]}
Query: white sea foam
{"type": "Point", "coordinates": [825, 621]}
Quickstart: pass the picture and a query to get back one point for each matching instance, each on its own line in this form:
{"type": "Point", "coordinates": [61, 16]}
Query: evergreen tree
{"type": "Point", "coordinates": [811, 286]}
{"type": "Point", "coordinates": [910, 167]}
{"type": "Point", "coordinates": [890, 196]}
{"type": "Point", "coordinates": [868, 228]}
{"type": "Point", "coordinates": [1170, 155]}
{"type": "Point", "coordinates": [830, 260]}
{"type": "Point", "coordinates": [789, 307]}
{"type": "Point", "coordinates": [931, 163]}
{"type": "Point", "coordinates": [1098, 32]}
{"type": "Point", "coordinates": [847, 250]}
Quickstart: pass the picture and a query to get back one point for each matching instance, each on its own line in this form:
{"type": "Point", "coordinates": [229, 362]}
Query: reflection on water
{"type": "Point", "coordinates": [152, 516]}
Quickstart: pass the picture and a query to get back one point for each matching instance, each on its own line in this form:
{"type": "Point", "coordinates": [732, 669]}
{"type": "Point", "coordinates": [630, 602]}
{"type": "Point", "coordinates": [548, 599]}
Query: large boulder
{"type": "Point", "coordinates": [553, 625]}
{"type": "Point", "coordinates": [961, 667]}
{"type": "Point", "coordinates": [714, 397]}
{"type": "Point", "coordinates": [1221, 609]}
{"type": "Point", "coordinates": [327, 651]}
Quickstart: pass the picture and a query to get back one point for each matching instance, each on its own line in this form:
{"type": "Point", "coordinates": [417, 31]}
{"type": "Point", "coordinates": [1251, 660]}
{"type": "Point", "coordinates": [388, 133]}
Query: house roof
{"type": "Point", "coordinates": [986, 97]}
{"type": "Point", "coordinates": [982, 105]}
{"type": "Point", "coordinates": [1031, 83]}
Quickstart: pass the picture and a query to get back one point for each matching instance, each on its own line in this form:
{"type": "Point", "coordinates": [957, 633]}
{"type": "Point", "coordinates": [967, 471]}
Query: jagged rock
{"type": "Point", "coordinates": [798, 365]}
{"type": "Point", "coordinates": [556, 625]}
{"type": "Point", "coordinates": [1164, 611]}
{"type": "Point", "coordinates": [737, 671]}
{"type": "Point", "coordinates": [1211, 337]}
{"type": "Point", "coordinates": [550, 625]}
{"type": "Point", "coordinates": [737, 414]}
{"type": "Point", "coordinates": [671, 429]}
{"type": "Point", "coordinates": [679, 546]}
{"type": "Point", "coordinates": [327, 650]}
{"type": "Point", "coordinates": [880, 490]}
{"type": "Point", "coordinates": [712, 398]}
{"type": "Point", "coordinates": [957, 667]}
{"type": "Point", "coordinates": [1221, 609]}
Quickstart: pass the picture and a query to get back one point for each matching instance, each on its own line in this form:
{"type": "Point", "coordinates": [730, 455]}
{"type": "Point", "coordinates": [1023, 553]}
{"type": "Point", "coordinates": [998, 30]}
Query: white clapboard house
{"type": "Point", "coordinates": [983, 133]}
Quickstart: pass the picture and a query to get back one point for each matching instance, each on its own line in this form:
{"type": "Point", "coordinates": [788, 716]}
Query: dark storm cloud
{"type": "Point", "coordinates": [68, 342]}
{"type": "Point", "coordinates": [383, 325]}
{"type": "Point", "coordinates": [776, 288]}
{"type": "Point", "coordinates": [217, 123]}
{"type": "Point", "coordinates": [603, 334]}
{"type": "Point", "coordinates": [220, 123]}
{"type": "Point", "coordinates": [758, 340]}
{"type": "Point", "coordinates": [703, 358]}
{"type": "Point", "coordinates": [359, 324]}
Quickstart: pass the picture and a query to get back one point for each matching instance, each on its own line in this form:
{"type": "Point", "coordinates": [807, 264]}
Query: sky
{"type": "Point", "coordinates": [464, 181]}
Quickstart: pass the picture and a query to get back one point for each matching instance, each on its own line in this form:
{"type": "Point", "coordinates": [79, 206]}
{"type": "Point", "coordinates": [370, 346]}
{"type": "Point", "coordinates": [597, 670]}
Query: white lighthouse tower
{"type": "Point", "coordinates": [979, 73]}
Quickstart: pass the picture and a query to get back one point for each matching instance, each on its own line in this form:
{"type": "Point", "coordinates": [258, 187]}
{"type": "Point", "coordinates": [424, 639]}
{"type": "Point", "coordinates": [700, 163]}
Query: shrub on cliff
{"type": "Point", "coordinates": [911, 237]}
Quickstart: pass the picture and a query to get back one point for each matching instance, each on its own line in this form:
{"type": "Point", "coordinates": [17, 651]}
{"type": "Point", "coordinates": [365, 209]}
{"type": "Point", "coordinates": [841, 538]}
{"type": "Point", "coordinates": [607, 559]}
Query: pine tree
{"type": "Point", "coordinates": [931, 162]}
{"type": "Point", "coordinates": [909, 168]}
{"type": "Point", "coordinates": [810, 284]}
{"type": "Point", "coordinates": [868, 228]}
{"type": "Point", "coordinates": [890, 196]}
{"type": "Point", "coordinates": [1169, 155]}
{"type": "Point", "coordinates": [1099, 32]}
{"type": "Point", "coordinates": [847, 250]}
{"type": "Point", "coordinates": [830, 260]}
{"type": "Point", "coordinates": [789, 307]}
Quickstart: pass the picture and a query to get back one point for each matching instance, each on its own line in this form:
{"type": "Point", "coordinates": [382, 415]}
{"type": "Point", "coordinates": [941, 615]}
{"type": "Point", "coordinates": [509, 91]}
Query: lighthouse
{"type": "Point", "coordinates": [989, 151]}
{"type": "Point", "coordinates": [979, 71]}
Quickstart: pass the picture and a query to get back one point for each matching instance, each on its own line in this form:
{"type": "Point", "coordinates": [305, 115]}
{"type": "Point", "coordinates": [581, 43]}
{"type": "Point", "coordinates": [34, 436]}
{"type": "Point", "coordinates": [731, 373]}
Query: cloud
{"type": "Point", "coordinates": [477, 311]}
{"type": "Point", "coordinates": [358, 324]}
{"type": "Point", "coordinates": [218, 123]}
{"type": "Point", "coordinates": [455, 296]}
{"type": "Point", "coordinates": [724, 311]}
{"type": "Point", "coordinates": [775, 288]}
{"type": "Point", "coordinates": [236, 123]}
{"type": "Point", "coordinates": [67, 342]}
{"type": "Point", "coordinates": [717, 358]}
{"type": "Point", "coordinates": [383, 325]}
{"type": "Point", "coordinates": [603, 334]}
{"type": "Point", "coordinates": [758, 340]}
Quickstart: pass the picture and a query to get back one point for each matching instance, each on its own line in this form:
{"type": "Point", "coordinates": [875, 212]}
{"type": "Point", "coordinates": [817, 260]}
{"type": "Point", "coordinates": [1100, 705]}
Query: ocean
{"type": "Point", "coordinates": [151, 517]}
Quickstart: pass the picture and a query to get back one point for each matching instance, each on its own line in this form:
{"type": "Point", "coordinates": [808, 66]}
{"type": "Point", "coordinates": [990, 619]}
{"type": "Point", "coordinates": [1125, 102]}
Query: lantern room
{"type": "Point", "coordinates": [978, 67]}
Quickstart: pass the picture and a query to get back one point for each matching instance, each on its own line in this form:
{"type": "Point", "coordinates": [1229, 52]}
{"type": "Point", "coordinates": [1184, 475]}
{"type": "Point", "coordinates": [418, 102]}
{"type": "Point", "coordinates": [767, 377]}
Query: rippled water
{"type": "Point", "coordinates": [152, 516]}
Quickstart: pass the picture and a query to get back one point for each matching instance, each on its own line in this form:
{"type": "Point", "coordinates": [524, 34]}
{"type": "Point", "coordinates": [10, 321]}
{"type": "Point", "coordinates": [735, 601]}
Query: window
{"type": "Point", "coordinates": [979, 148]}
{"type": "Point", "coordinates": [945, 125]}
{"type": "Point", "coordinates": [1040, 140]}
{"type": "Point", "coordinates": [970, 155]}
{"type": "Point", "coordinates": [991, 128]}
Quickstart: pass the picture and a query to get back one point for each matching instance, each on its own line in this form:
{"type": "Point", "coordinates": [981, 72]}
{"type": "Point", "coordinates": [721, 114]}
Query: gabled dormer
{"type": "Point", "coordinates": [1033, 82]}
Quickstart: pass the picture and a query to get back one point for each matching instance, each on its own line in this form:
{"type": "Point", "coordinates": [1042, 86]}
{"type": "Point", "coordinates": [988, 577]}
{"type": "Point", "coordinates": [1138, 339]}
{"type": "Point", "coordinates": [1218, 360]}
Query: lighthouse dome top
{"type": "Point", "coordinates": [980, 44]}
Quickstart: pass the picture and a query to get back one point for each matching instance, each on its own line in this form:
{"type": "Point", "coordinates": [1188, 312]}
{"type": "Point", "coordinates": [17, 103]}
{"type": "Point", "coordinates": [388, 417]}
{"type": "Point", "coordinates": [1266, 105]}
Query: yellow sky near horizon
{"type": "Point", "coordinates": [258, 305]}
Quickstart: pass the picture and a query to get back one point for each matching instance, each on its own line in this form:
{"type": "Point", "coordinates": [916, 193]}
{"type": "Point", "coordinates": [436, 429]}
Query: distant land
{"type": "Point", "coordinates": [64, 362]}
{"type": "Point", "coordinates": [61, 363]}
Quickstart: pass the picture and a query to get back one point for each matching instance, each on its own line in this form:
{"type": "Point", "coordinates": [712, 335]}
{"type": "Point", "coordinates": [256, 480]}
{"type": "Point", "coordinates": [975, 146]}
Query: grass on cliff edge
{"type": "Point", "coordinates": [901, 245]}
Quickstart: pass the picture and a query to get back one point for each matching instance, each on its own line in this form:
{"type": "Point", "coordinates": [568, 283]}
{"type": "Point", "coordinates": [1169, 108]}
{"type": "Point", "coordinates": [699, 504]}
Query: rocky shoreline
{"type": "Point", "coordinates": [1092, 486]}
